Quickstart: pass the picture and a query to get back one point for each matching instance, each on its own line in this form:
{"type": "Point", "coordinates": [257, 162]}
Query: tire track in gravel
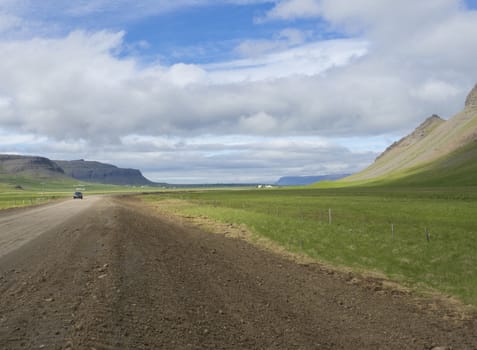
{"type": "Point", "coordinates": [121, 276]}
{"type": "Point", "coordinates": [49, 282]}
{"type": "Point", "coordinates": [18, 226]}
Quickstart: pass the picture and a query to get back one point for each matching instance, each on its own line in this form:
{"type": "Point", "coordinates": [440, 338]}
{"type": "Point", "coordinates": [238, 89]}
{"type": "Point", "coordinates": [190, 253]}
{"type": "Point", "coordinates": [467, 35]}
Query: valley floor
{"type": "Point", "coordinates": [118, 275]}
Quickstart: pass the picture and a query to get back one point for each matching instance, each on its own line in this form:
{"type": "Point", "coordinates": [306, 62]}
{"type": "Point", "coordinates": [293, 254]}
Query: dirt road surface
{"type": "Point", "coordinates": [109, 273]}
{"type": "Point", "coordinates": [22, 225]}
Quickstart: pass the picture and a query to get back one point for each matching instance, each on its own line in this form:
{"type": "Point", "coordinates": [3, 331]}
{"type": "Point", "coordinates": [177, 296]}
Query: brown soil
{"type": "Point", "coordinates": [121, 276]}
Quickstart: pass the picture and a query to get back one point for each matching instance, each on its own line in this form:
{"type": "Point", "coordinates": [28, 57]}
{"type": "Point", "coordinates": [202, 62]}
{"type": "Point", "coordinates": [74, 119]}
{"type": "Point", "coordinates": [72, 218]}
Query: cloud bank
{"type": "Point", "coordinates": [391, 65]}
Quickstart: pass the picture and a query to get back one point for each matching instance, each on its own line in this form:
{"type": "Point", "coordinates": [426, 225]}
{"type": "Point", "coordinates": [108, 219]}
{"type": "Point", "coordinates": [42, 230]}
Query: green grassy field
{"type": "Point", "coordinates": [360, 234]}
{"type": "Point", "coordinates": [17, 191]}
{"type": "Point", "coordinates": [378, 229]}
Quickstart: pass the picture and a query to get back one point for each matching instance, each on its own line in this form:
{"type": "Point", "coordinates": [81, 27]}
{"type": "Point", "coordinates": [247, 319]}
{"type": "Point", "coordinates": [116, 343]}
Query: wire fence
{"type": "Point", "coordinates": [23, 202]}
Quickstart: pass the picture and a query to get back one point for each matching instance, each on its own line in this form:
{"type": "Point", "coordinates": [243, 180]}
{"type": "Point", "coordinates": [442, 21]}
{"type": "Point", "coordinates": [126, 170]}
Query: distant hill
{"type": "Point", "coordinates": [437, 151]}
{"type": "Point", "coordinates": [29, 166]}
{"type": "Point", "coordinates": [88, 171]}
{"type": "Point", "coordinates": [307, 180]}
{"type": "Point", "coordinates": [92, 171]}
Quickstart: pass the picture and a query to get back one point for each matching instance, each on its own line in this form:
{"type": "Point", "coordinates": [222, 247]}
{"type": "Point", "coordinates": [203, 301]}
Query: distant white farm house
{"type": "Point", "coordinates": [264, 186]}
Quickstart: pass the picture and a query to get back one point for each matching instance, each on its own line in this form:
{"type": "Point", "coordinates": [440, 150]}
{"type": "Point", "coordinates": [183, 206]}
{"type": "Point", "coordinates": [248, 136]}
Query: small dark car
{"type": "Point", "coordinates": [78, 195]}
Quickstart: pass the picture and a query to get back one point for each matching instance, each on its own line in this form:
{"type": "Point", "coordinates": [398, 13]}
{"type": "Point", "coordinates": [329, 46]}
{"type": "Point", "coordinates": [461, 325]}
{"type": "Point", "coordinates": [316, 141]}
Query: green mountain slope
{"type": "Point", "coordinates": [437, 153]}
{"type": "Point", "coordinates": [458, 168]}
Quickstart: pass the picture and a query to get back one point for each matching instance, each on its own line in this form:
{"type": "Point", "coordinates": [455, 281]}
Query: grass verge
{"type": "Point", "coordinates": [423, 238]}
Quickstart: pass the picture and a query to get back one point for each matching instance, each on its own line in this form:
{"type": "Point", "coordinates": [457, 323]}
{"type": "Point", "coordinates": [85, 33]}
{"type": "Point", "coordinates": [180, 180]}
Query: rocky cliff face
{"type": "Point", "coordinates": [471, 100]}
{"type": "Point", "coordinates": [29, 166]}
{"type": "Point", "coordinates": [418, 134]}
{"type": "Point", "coordinates": [102, 173]}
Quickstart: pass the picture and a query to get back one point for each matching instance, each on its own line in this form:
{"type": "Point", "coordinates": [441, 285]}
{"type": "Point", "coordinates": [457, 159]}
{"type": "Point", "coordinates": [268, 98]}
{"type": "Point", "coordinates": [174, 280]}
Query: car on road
{"type": "Point", "coordinates": [78, 195]}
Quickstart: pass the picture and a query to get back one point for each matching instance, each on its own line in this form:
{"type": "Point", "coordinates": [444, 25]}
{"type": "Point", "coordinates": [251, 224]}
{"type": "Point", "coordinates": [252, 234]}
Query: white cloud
{"type": "Point", "coordinates": [185, 74]}
{"type": "Point", "coordinates": [387, 19]}
{"type": "Point", "coordinates": [9, 22]}
{"type": "Point", "coordinates": [435, 91]}
{"type": "Point", "coordinates": [291, 9]}
{"type": "Point", "coordinates": [259, 123]}
{"type": "Point", "coordinates": [76, 88]}
{"type": "Point", "coordinates": [209, 159]}
{"type": "Point", "coordinates": [293, 36]}
{"type": "Point", "coordinates": [308, 60]}
{"type": "Point", "coordinates": [401, 61]}
{"type": "Point", "coordinates": [285, 39]}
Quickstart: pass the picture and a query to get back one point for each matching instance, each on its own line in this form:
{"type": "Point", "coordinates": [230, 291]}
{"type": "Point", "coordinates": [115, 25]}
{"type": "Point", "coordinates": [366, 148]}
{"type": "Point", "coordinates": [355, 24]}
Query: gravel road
{"type": "Point", "coordinates": [110, 273]}
{"type": "Point", "coordinates": [22, 225]}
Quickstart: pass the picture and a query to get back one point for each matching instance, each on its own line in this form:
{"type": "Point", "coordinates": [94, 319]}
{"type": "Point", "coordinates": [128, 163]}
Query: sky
{"type": "Point", "coordinates": [204, 91]}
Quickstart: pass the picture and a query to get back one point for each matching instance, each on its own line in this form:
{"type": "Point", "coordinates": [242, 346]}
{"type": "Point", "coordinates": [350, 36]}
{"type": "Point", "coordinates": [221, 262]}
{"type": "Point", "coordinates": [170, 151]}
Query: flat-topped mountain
{"type": "Point", "coordinates": [88, 171]}
{"type": "Point", "coordinates": [433, 141]}
{"type": "Point", "coordinates": [92, 171]}
{"type": "Point", "coordinates": [29, 166]}
{"type": "Point", "coordinates": [307, 180]}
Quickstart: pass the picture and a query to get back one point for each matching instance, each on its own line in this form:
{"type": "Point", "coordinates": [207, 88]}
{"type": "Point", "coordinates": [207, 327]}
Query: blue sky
{"type": "Point", "coordinates": [217, 30]}
{"type": "Point", "coordinates": [207, 34]}
{"type": "Point", "coordinates": [229, 91]}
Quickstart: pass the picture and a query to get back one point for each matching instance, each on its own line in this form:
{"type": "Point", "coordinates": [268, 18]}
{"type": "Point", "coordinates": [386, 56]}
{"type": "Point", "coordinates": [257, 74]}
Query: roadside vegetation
{"type": "Point", "coordinates": [424, 238]}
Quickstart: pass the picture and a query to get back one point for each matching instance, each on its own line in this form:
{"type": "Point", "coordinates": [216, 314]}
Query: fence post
{"type": "Point", "coordinates": [392, 230]}
{"type": "Point", "coordinates": [329, 216]}
{"type": "Point", "coordinates": [428, 235]}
